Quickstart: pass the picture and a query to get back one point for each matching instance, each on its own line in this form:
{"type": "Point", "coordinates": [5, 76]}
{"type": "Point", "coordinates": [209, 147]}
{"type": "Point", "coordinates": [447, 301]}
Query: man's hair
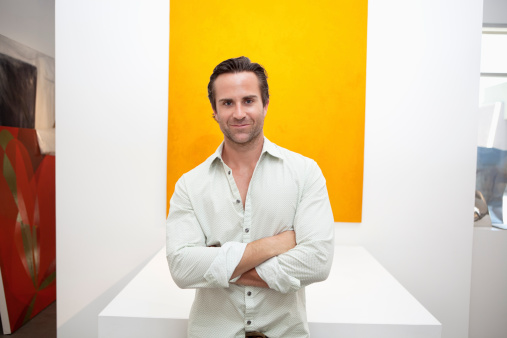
{"type": "Point", "coordinates": [238, 65]}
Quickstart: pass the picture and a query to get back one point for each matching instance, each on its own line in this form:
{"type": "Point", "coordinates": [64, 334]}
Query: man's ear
{"type": "Point", "coordinates": [214, 115]}
{"type": "Point", "coordinates": [265, 108]}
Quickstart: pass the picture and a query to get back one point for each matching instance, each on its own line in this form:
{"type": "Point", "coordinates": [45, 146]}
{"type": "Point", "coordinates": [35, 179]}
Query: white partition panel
{"type": "Point", "coordinates": [422, 96]}
{"type": "Point", "coordinates": [111, 112]}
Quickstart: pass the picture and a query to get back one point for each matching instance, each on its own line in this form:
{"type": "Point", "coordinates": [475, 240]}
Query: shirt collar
{"type": "Point", "coordinates": [268, 147]}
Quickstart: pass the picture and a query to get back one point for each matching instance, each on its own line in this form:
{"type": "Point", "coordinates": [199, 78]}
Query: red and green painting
{"type": "Point", "coordinates": [27, 227]}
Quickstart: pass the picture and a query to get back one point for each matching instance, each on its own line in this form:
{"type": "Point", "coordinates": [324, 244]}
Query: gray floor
{"type": "Point", "coordinates": [41, 326]}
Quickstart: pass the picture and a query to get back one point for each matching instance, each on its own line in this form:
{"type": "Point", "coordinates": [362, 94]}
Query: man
{"type": "Point", "coordinates": [251, 226]}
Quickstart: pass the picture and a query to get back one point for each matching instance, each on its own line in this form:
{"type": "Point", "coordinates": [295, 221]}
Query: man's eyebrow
{"type": "Point", "coordinates": [253, 96]}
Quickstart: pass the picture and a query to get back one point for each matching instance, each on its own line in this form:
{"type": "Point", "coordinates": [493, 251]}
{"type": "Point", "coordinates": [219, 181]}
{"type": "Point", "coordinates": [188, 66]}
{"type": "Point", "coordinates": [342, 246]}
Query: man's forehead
{"type": "Point", "coordinates": [243, 83]}
{"type": "Point", "coordinates": [236, 76]}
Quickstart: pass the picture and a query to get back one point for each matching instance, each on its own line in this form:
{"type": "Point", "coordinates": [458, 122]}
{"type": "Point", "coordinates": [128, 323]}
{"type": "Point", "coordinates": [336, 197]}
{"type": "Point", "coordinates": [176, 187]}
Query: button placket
{"type": "Point", "coordinates": [250, 303]}
{"type": "Point", "coordinates": [247, 223]}
{"type": "Point", "coordinates": [249, 306]}
{"type": "Point", "coordinates": [234, 188]}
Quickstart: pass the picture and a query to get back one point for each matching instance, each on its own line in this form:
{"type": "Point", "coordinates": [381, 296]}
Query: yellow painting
{"type": "Point", "coordinates": [315, 56]}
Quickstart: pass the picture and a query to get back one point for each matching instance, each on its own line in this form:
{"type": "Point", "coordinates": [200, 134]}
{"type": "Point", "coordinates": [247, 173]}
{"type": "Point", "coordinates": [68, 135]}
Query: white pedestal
{"type": "Point", "coordinates": [359, 299]}
{"type": "Point", "coordinates": [488, 295]}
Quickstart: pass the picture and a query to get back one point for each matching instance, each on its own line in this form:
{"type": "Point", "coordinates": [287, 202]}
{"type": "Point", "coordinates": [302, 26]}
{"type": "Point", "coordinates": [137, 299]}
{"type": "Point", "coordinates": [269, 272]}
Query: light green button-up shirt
{"type": "Point", "coordinates": [287, 192]}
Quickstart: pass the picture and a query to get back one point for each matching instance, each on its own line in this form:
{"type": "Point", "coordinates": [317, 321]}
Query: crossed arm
{"type": "Point", "coordinates": [258, 252]}
{"type": "Point", "coordinates": [275, 262]}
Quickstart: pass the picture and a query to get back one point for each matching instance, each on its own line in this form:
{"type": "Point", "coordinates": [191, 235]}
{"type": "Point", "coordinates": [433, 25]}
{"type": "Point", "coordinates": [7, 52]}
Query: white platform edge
{"type": "Point", "coordinates": [366, 302]}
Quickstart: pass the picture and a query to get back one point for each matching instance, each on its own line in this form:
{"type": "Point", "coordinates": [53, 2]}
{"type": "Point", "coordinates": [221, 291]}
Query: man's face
{"type": "Point", "coordinates": [239, 111]}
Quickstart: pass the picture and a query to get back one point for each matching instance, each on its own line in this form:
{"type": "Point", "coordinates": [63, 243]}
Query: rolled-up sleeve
{"type": "Point", "coordinates": [192, 264]}
{"type": "Point", "coordinates": [310, 261]}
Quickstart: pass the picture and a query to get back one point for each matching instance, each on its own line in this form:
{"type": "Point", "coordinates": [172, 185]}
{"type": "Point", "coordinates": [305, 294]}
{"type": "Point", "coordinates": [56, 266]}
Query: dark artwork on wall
{"type": "Point", "coordinates": [18, 81]}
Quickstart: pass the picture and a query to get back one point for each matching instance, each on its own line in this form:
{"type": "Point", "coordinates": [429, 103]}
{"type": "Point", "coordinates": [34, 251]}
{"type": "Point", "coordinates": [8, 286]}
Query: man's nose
{"type": "Point", "coordinates": [239, 111]}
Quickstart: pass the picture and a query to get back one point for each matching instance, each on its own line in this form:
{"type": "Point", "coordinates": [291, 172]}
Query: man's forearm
{"type": "Point", "coordinates": [258, 251]}
{"type": "Point", "coordinates": [251, 278]}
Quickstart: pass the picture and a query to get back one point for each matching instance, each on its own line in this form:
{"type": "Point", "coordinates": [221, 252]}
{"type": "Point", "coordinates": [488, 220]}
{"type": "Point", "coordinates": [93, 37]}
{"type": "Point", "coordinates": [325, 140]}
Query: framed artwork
{"type": "Point", "coordinates": [17, 93]}
{"type": "Point", "coordinates": [27, 184]}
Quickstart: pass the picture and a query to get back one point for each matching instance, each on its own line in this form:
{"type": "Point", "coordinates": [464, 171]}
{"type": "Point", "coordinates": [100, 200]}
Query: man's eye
{"type": "Point", "coordinates": [248, 101]}
{"type": "Point", "coordinates": [227, 103]}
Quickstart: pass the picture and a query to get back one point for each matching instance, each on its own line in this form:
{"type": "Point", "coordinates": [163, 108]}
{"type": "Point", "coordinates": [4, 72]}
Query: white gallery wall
{"type": "Point", "coordinates": [420, 150]}
{"type": "Point", "coordinates": [419, 176]}
{"type": "Point", "coordinates": [495, 12]}
{"type": "Point", "coordinates": [111, 111]}
{"type": "Point", "coordinates": [30, 22]}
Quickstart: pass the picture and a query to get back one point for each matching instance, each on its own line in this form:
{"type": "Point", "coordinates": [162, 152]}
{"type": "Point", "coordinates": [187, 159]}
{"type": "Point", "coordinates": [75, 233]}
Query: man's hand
{"type": "Point", "coordinates": [251, 278]}
{"type": "Point", "coordinates": [261, 250]}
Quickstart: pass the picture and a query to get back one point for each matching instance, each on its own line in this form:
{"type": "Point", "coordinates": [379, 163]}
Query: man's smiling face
{"type": "Point", "coordinates": [239, 110]}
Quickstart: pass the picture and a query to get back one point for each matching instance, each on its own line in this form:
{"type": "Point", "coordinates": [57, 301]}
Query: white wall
{"type": "Point", "coordinates": [30, 22]}
{"type": "Point", "coordinates": [111, 105]}
{"type": "Point", "coordinates": [495, 12]}
{"type": "Point", "coordinates": [420, 150]}
{"type": "Point", "coordinates": [422, 97]}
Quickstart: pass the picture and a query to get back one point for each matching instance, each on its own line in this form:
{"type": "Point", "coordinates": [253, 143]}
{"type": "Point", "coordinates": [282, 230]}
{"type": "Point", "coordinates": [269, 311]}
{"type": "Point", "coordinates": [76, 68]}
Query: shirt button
{"type": "Point", "coordinates": [247, 230]}
{"type": "Point", "coordinates": [249, 293]}
{"type": "Point", "coordinates": [249, 322]}
{"type": "Point", "coordinates": [229, 172]}
{"type": "Point", "coordinates": [238, 201]}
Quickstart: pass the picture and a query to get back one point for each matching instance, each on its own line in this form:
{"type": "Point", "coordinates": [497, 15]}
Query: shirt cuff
{"type": "Point", "coordinates": [224, 264]}
{"type": "Point", "coordinates": [272, 273]}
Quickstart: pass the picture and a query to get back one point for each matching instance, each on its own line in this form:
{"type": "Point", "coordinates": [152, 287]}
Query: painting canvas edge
{"type": "Point", "coordinates": [4, 314]}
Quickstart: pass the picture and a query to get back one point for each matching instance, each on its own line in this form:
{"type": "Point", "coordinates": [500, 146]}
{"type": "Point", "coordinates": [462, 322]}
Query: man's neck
{"type": "Point", "coordinates": [242, 155]}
